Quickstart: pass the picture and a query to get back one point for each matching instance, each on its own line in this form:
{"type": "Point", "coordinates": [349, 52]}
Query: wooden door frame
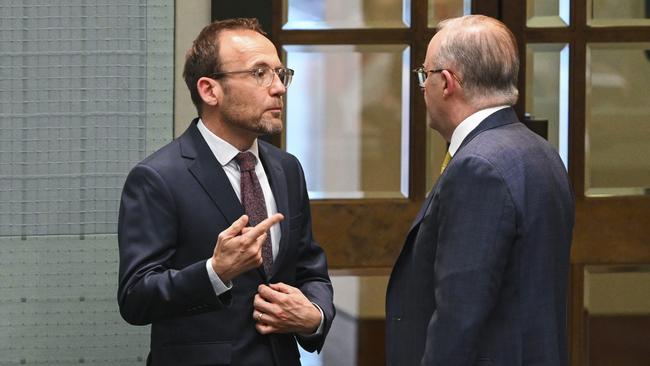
{"type": "Point", "coordinates": [608, 230]}
{"type": "Point", "coordinates": [365, 236]}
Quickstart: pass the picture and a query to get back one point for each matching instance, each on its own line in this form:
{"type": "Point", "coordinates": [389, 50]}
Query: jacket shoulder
{"type": "Point", "coordinates": [273, 152]}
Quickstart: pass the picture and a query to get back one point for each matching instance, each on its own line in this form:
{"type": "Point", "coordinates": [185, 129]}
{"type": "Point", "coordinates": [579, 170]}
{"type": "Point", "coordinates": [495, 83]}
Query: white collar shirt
{"type": "Point", "coordinates": [468, 125]}
{"type": "Point", "coordinates": [225, 153]}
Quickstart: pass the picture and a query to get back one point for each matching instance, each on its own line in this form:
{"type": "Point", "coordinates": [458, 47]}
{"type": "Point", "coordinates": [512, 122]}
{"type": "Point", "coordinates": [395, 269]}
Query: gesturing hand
{"type": "Point", "coordinates": [239, 249]}
{"type": "Point", "coordinates": [280, 308]}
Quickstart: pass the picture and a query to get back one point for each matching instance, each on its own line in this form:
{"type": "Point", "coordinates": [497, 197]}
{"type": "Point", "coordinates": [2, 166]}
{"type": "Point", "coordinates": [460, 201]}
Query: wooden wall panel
{"type": "Point", "coordinates": [362, 234]}
{"type": "Point", "coordinates": [612, 231]}
{"type": "Point", "coordinates": [618, 340]}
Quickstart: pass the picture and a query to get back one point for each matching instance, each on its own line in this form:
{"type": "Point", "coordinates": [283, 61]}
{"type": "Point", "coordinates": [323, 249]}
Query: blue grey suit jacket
{"type": "Point", "coordinates": [482, 276]}
{"type": "Point", "coordinates": [174, 205]}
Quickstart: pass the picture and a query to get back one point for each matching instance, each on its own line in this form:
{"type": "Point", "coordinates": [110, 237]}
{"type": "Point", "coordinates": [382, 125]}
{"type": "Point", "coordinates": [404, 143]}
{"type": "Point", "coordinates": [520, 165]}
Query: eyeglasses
{"type": "Point", "coordinates": [423, 73]}
{"type": "Point", "coordinates": [263, 75]}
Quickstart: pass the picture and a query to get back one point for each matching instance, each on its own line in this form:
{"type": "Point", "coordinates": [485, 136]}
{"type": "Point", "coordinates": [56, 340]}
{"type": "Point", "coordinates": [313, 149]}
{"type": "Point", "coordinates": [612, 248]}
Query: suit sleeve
{"type": "Point", "coordinates": [311, 269]}
{"type": "Point", "coordinates": [149, 289]}
{"type": "Point", "coordinates": [477, 224]}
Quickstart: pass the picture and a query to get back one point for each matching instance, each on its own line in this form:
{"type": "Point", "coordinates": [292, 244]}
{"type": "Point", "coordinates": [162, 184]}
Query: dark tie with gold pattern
{"type": "Point", "coordinates": [252, 199]}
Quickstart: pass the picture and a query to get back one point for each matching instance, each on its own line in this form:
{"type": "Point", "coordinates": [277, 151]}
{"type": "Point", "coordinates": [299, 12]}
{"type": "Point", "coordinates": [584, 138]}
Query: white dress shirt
{"type": "Point", "coordinates": [468, 125]}
{"type": "Point", "coordinates": [225, 154]}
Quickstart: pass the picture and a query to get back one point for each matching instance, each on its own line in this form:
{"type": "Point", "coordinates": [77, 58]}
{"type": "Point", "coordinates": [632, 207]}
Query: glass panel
{"type": "Point", "coordinates": [617, 156]}
{"type": "Point", "coordinates": [603, 13]}
{"type": "Point", "coordinates": [331, 14]}
{"type": "Point", "coordinates": [617, 314]}
{"type": "Point", "coordinates": [357, 333]}
{"type": "Point", "coordinates": [347, 119]}
{"type": "Point", "coordinates": [444, 9]}
{"type": "Point", "coordinates": [547, 13]}
{"type": "Point", "coordinates": [547, 91]}
{"type": "Point", "coordinates": [85, 93]}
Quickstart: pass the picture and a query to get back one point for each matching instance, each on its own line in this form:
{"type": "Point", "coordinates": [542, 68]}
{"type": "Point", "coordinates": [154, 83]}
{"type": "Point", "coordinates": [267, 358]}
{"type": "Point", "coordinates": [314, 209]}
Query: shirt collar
{"type": "Point", "coordinates": [223, 150]}
{"type": "Point", "coordinates": [468, 125]}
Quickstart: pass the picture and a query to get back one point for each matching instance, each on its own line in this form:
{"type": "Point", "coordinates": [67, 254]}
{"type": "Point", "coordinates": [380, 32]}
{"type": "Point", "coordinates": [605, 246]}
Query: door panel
{"type": "Point", "coordinates": [608, 133]}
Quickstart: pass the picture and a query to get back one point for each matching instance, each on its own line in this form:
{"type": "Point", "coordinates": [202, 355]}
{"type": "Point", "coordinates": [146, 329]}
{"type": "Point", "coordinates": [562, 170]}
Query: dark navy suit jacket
{"type": "Point", "coordinates": [174, 205]}
{"type": "Point", "coordinates": [482, 276]}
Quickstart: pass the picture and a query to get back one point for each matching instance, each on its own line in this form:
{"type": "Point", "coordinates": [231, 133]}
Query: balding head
{"type": "Point", "coordinates": [483, 52]}
{"type": "Point", "coordinates": [204, 58]}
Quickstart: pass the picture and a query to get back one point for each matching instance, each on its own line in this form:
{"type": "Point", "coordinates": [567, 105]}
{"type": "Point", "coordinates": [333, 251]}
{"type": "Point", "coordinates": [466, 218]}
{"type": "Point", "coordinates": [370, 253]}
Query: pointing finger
{"type": "Point", "coordinates": [264, 226]}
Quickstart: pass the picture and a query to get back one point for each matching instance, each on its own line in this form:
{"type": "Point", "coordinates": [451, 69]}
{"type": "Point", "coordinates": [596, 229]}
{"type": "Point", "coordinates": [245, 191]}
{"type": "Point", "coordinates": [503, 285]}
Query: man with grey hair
{"type": "Point", "coordinates": [481, 279]}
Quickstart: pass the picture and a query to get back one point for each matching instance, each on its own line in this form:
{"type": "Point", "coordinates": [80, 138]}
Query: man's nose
{"type": "Point", "coordinates": [277, 87]}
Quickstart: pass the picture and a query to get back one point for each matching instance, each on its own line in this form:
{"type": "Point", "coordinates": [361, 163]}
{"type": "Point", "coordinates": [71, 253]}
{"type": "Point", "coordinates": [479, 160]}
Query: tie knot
{"type": "Point", "coordinates": [246, 161]}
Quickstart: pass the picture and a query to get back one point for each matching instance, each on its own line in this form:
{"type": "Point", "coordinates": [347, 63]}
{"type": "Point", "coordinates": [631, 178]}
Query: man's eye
{"type": "Point", "coordinates": [260, 73]}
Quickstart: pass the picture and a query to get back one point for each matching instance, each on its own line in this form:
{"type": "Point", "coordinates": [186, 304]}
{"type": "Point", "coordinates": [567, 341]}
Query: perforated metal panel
{"type": "Point", "coordinates": [85, 93]}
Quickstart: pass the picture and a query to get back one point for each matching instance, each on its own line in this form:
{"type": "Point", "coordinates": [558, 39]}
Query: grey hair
{"type": "Point", "coordinates": [483, 52]}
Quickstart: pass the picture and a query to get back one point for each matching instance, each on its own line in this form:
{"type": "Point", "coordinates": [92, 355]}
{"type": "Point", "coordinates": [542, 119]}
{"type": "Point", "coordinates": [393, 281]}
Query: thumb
{"type": "Point", "coordinates": [237, 226]}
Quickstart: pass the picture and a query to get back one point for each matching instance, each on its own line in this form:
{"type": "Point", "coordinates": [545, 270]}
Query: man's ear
{"type": "Point", "coordinates": [450, 83]}
{"type": "Point", "coordinates": [210, 91]}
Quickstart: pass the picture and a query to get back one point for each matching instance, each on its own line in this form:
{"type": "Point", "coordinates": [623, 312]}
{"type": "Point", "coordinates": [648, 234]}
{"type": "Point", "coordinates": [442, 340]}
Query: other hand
{"type": "Point", "coordinates": [280, 308]}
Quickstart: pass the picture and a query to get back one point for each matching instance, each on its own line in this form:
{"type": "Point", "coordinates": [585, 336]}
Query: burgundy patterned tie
{"type": "Point", "coordinates": [253, 200]}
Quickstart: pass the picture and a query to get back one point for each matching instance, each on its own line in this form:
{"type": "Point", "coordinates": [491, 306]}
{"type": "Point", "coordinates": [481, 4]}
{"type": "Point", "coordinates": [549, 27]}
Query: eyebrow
{"type": "Point", "coordinates": [261, 64]}
{"type": "Point", "coordinates": [266, 64]}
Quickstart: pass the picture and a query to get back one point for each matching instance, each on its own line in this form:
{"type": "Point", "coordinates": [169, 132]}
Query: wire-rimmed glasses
{"type": "Point", "coordinates": [263, 75]}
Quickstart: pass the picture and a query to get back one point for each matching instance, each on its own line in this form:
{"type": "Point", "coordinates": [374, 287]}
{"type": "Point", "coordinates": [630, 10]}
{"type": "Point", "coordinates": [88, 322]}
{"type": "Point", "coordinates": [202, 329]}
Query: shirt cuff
{"type": "Point", "coordinates": [218, 285]}
{"type": "Point", "coordinates": [319, 330]}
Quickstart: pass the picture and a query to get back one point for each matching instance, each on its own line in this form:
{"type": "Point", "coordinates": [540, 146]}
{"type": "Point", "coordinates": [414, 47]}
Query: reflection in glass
{"type": "Point", "coordinates": [331, 14]}
{"type": "Point", "coordinates": [347, 119]}
{"type": "Point", "coordinates": [359, 303]}
{"type": "Point", "coordinates": [617, 156]}
{"type": "Point", "coordinates": [617, 289]}
{"type": "Point", "coordinates": [617, 314]}
{"type": "Point", "coordinates": [547, 13]}
{"type": "Point", "coordinates": [444, 9]}
{"type": "Point", "coordinates": [602, 13]}
{"type": "Point", "coordinates": [547, 94]}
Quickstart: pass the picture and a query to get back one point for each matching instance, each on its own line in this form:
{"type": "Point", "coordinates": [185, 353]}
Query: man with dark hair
{"type": "Point", "coordinates": [216, 247]}
{"type": "Point", "coordinates": [482, 276]}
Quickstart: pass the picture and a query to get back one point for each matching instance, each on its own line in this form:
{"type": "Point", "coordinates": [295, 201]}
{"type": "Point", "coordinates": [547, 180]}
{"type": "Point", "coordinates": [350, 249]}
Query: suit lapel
{"type": "Point", "coordinates": [278, 183]}
{"type": "Point", "coordinates": [205, 168]}
{"type": "Point", "coordinates": [499, 118]}
{"type": "Point", "coordinates": [423, 209]}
